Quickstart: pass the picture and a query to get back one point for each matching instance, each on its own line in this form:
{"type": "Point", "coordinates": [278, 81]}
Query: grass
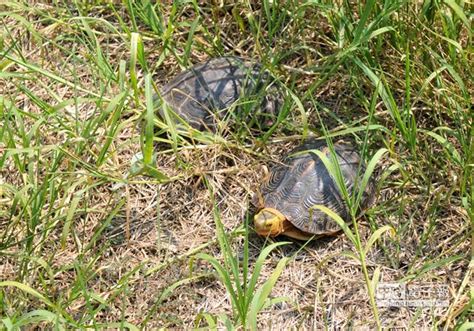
{"type": "Point", "coordinates": [98, 231]}
{"type": "Point", "coordinates": [247, 300]}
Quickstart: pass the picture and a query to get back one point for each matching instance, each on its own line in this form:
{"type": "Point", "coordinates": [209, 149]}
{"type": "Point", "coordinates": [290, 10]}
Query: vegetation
{"type": "Point", "coordinates": [111, 217]}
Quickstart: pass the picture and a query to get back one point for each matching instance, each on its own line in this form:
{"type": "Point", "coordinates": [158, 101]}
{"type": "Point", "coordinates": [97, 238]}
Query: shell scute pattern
{"type": "Point", "coordinates": [208, 90]}
{"type": "Point", "coordinates": [303, 181]}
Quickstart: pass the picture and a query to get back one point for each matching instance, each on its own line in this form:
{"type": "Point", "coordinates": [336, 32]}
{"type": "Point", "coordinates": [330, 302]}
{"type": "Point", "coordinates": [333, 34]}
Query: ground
{"type": "Point", "coordinates": [87, 240]}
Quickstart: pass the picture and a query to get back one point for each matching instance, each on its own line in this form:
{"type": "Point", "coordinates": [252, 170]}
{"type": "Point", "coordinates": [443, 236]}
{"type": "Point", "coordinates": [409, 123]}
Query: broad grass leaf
{"type": "Point", "coordinates": [258, 301]}
{"type": "Point", "coordinates": [385, 94]}
{"type": "Point", "coordinates": [447, 145]}
{"type": "Point", "coordinates": [223, 274]}
{"type": "Point", "coordinates": [210, 320]}
{"type": "Point", "coordinates": [274, 301]}
{"type": "Point", "coordinates": [430, 265]}
{"type": "Point", "coordinates": [376, 235]}
{"type": "Point", "coordinates": [375, 280]}
{"type": "Point", "coordinates": [169, 290]}
{"type": "Point", "coordinates": [300, 107]}
{"type": "Point", "coordinates": [258, 266]}
{"type": "Point", "coordinates": [149, 125]}
{"type": "Point", "coordinates": [69, 218]}
{"type": "Point", "coordinates": [27, 289]}
{"type": "Point", "coordinates": [53, 76]}
{"type": "Point", "coordinates": [155, 173]}
{"type": "Point", "coordinates": [466, 326]}
{"type": "Point", "coordinates": [118, 326]}
{"type": "Point", "coordinates": [332, 166]}
{"type": "Point", "coordinates": [342, 224]}
{"type": "Point", "coordinates": [459, 11]}
{"type": "Point", "coordinates": [36, 317]}
{"type": "Point", "coordinates": [380, 31]}
{"type": "Point", "coordinates": [8, 324]}
{"type": "Point", "coordinates": [351, 255]}
{"type": "Point", "coordinates": [369, 171]}
{"type": "Point", "coordinates": [134, 40]}
{"type": "Point", "coordinates": [114, 108]}
{"type": "Point", "coordinates": [189, 43]}
{"type": "Point", "coordinates": [344, 132]}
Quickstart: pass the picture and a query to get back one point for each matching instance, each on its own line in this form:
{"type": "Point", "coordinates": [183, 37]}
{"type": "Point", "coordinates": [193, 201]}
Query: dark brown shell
{"type": "Point", "coordinates": [304, 181]}
{"type": "Point", "coordinates": [208, 90]}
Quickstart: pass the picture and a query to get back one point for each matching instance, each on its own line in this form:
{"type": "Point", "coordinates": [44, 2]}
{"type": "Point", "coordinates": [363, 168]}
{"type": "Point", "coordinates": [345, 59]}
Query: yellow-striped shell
{"type": "Point", "coordinates": [303, 181]}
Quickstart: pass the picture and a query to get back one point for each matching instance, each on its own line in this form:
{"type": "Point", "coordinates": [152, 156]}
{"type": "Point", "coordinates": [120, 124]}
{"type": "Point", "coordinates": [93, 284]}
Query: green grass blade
{"type": "Point", "coordinates": [210, 320]}
{"type": "Point", "coordinates": [353, 130]}
{"type": "Point", "coordinates": [258, 267]}
{"type": "Point", "coordinates": [376, 235]}
{"type": "Point", "coordinates": [261, 295]}
{"type": "Point", "coordinates": [134, 41]}
{"type": "Point", "coordinates": [374, 161]}
{"type": "Point", "coordinates": [386, 96]}
{"type": "Point", "coordinates": [38, 316]}
{"type": "Point", "coordinates": [149, 118]}
{"type": "Point", "coordinates": [334, 170]}
{"type": "Point", "coordinates": [69, 218]}
{"type": "Point", "coordinates": [28, 290]}
{"type": "Point", "coordinates": [460, 13]}
{"type": "Point", "coordinates": [430, 266]}
{"type": "Point", "coordinates": [375, 280]}
{"type": "Point", "coordinates": [225, 278]}
{"type": "Point", "coordinates": [447, 145]}
{"type": "Point", "coordinates": [368, 8]}
{"type": "Point", "coordinates": [115, 109]}
{"type": "Point", "coordinates": [342, 224]}
{"type": "Point", "coordinates": [51, 75]}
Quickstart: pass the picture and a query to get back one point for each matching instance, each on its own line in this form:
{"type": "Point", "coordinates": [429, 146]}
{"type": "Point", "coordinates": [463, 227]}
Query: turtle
{"type": "Point", "coordinates": [286, 198]}
{"type": "Point", "coordinates": [207, 91]}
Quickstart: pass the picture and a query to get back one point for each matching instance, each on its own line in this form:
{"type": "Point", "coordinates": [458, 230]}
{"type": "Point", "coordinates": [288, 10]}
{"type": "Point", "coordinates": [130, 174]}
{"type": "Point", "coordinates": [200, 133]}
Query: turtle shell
{"type": "Point", "coordinates": [303, 181]}
{"type": "Point", "coordinates": [205, 92]}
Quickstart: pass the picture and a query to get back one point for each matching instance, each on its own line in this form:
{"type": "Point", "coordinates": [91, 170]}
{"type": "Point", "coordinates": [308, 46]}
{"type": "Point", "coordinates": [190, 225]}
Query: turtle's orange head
{"type": "Point", "coordinates": [269, 222]}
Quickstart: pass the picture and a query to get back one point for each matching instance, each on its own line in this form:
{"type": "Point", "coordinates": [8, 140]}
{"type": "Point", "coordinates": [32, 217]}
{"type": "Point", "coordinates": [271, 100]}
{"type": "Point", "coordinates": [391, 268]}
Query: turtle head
{"type": "Point", "coordinates": [269, 222]}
